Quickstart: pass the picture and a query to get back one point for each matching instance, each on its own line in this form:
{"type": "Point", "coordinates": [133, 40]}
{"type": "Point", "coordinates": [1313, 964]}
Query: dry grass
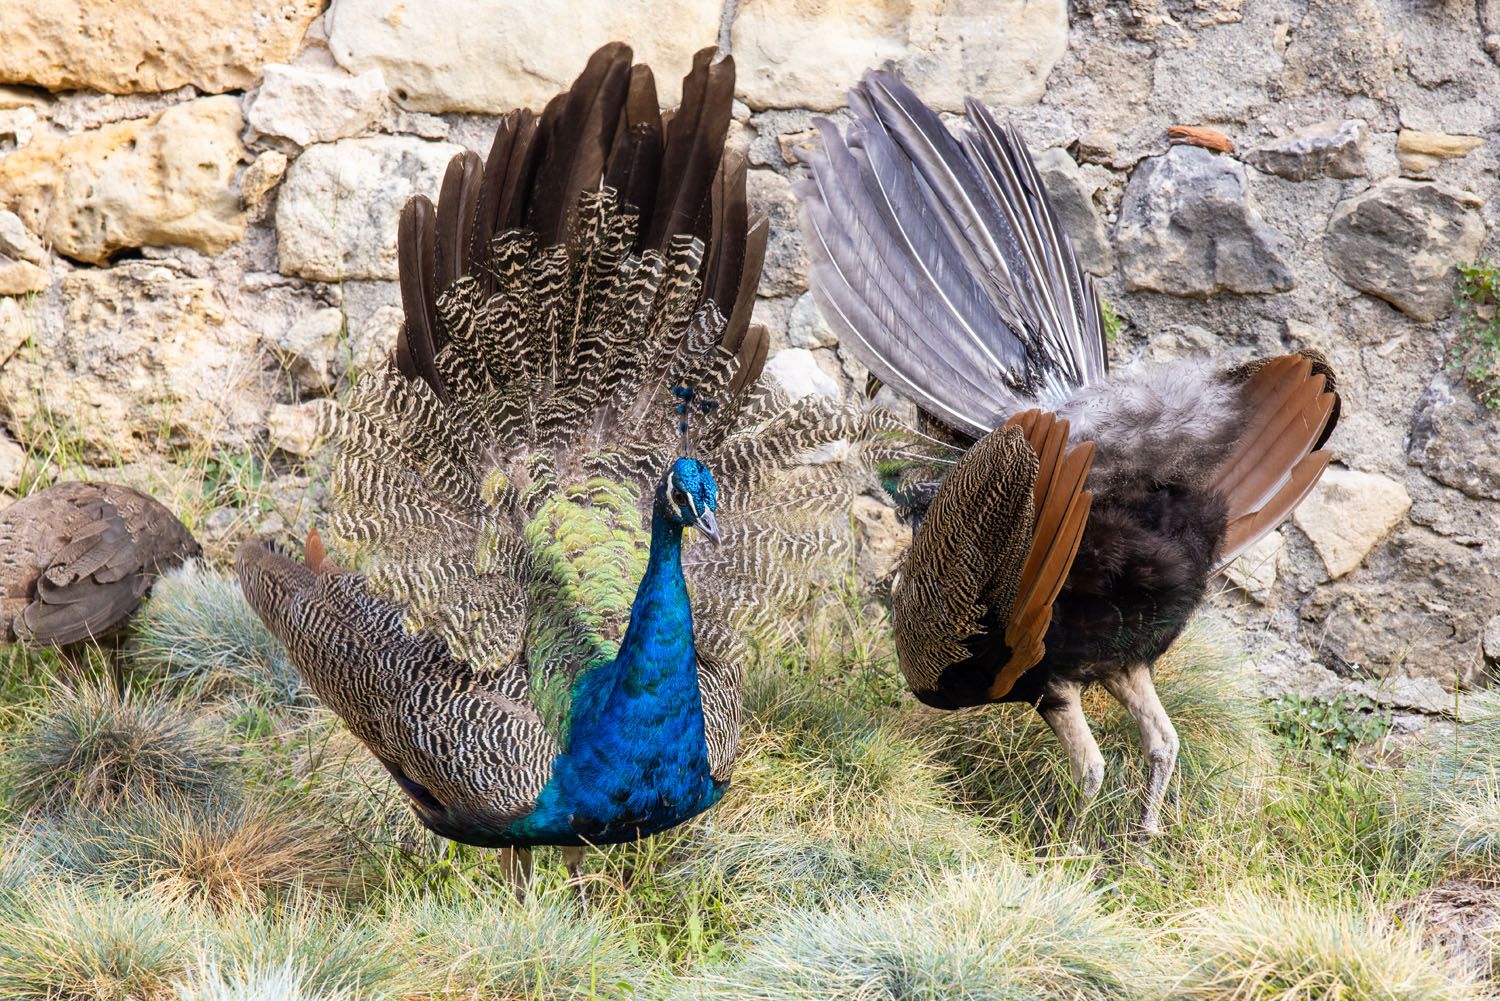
{"type": "Point", "coordinates": [222, 854]}
{"type": "Point", "coordinates": [996, 932]}
{"type": "Point", "coordinates": [62, 943]}
{"type": "Point", "coordinates": [96, 746]}
{"type": "Point", "coordinates": [1254, 947]}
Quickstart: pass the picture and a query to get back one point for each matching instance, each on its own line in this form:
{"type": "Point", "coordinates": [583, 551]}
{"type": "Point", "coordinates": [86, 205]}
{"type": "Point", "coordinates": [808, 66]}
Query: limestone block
{"type": "Point", "coordinates": [338, 208]}
{"type": "Point", "coordinates": [1187, 228]}
{"type": "Point", "coordinates": [797, 372]}
{"type": "Point", "coordinates": [309, 105]}
{"type": "Point", "coordinates": [1328, 149]}
{"type": "Point", "coordinates": [795, 54]}
{"type": "Point", "coordinates": [1401, 239]}
{"type": "Point", "coordinates": [1347, 515]}
{"type": "Point", "coordinates": [167, 180]}
{"type": "Point", "coordinates": [132, 45]}
{"type": "Point", "coordinates": [139, 358]}
{"type": "Point", "coordinates": [453, 55]}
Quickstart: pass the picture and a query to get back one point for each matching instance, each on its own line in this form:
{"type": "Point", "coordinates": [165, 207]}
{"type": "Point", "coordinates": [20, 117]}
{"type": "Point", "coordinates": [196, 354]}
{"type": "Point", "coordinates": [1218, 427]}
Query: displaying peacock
{"type": "Point", "coordinates": [1082, 514]}
{"type": "Point", "coordinates": [528, 637]}
{"type": "Point", "coordinates": [76, 559]}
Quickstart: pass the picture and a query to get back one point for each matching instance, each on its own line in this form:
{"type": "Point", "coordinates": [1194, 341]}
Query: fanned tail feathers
{"type": "Point", "coordinates": [494, 481]}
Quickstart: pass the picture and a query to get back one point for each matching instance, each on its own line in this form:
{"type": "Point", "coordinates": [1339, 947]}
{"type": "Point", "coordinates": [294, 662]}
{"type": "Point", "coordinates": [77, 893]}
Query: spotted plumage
{"type": "Point", "coordinates": [551, 583]}
{"type": "Point", "coordinates": [1054, 548]}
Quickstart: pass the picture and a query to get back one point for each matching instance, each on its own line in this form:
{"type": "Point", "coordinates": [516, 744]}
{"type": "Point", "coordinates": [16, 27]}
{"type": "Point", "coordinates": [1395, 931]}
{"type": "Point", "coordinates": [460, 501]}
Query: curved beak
{"type": "Point", "coordinates": [708, 525]}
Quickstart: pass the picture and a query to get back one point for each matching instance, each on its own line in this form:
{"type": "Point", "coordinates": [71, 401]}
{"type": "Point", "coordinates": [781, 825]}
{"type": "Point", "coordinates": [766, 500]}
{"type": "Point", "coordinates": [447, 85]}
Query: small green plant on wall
{"type": "Point", "coordinates": [1333, 726]}
{"type": "Point", "coordinates": [1476, 353]}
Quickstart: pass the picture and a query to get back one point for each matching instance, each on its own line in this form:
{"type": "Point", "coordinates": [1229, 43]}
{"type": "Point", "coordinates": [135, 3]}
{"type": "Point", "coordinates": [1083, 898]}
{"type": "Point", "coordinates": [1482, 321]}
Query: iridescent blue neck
{"type": "Point", "coordinates": [636, 761]}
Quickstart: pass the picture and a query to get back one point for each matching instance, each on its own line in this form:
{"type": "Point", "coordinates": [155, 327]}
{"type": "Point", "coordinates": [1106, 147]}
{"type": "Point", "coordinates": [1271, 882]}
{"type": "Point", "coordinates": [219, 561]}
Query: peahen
{"type": "Point", "coordinates": [1085, 513]}
{"type": "Point", "coordinates": [533, 644]}
{"type": "Point", "coordinates": [76, 559]}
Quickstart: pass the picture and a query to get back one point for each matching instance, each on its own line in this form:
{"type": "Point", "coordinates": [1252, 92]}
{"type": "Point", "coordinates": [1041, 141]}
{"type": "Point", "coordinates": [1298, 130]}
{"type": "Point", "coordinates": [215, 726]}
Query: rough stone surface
{"type": "Point", "coordinates": [883, 537]}
{"type": "Point", "coordinates": [1419, 613]}
{"type": "Point", "coordinates": [1419, 151]}
{"type": "Point", "coordinates": [293, 428]}
{"type": "Point", "coordinates": [1072, 194]}
{"type": "Point", "coordinates": [1328, 149]}
{"type": "Point", "coordinates": [1400, 240]}
{"type": "Point", "coordinates": [1256, 569]}
{"type": "Point", "coordinates": [13, 459]}
{"type": "Point", "coordinates": [136, 358]}
{"type": "Point", "coordinates": [806, 55]}
{"type": "Point", "coordinates": [1347, 515]}
{"type": "Point", "coordinates": [1456, 441]}
{"type": "Point", "coordinates": [260, 179]}
{"type": "Point", "coordinates": [310, 347]}
{"type": "Point", "coordinates": [1187, 228]}
{"type": "Point", "coordinates": [121, 47]}
{"type": "Point", "coordinates": [450, 55]}
{"type": "Point", "coordinates": [337, 211]}
{"type": "Point", "coordinates": [308, 105]}
{"type": "Point", "coordinates": [21, 277]}
{"type": "Point", "coordinates": [806, 327]}
{"type": "Point", "coordinates": [798, 374]}
{"type": "Point", "coordinates": [785, 271]}
{"type": "Point", "coordinates": [19, 242]}
{"type": "Point", "coordinates": [166, 180]}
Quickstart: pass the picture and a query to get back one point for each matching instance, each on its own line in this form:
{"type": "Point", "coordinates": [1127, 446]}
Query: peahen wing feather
{"type": "Point", "coordinates": [988, 561]}
{"type": "Point", "coordinates": [1289, 408]}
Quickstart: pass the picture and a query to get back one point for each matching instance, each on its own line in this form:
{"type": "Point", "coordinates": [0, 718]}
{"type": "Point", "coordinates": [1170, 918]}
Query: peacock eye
{"type": "Point", "coordinates": [679, 498]}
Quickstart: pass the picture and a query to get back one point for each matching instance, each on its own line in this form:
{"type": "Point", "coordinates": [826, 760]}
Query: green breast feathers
{"type": "Point", "coordinates": [588, 546]}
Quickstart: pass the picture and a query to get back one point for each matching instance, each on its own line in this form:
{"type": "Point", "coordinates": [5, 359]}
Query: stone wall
{"type": "Point", "coordinates": [201, 206]}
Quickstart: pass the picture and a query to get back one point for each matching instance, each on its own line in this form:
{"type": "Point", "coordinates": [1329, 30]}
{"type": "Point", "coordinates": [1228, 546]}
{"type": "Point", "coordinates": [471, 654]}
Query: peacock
{"type": "Point", "coordinates": [568, 505]}
{"type": "Point", "coordinates": [76, 559]}
{"type": "Point", "coordinates": [1078, 515]}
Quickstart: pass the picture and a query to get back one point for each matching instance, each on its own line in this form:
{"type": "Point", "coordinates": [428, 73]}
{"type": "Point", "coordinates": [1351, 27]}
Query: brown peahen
{"type": "Point", "coordinates": [1085, 513]}
{"type": "Point", "coordinates": [76, 559]}
{"type": "Point", "coordinates": [526, 637]}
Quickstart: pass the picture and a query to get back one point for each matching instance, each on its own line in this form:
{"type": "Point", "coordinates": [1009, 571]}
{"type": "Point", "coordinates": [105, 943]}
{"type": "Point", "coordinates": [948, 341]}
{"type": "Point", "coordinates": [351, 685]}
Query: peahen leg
{"type": "Point", "coordinates": [1061, 705]}
{"type": "Point", "coordinates": [1133, 689]}
{"type": "Point", "coordinates": [515, 864]}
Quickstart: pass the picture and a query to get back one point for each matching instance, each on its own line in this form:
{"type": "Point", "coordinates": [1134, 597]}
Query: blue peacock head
{"type": "Point", "coordinates": [688, 495]}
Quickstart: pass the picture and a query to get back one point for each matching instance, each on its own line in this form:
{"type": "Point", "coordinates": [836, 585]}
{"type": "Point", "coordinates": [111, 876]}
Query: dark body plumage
{"type": "Point", "coordinates": [1068, 545]}
{"type": "Point", "coordinates": [531, 643]}
{"type": "Point", "coordinates": [76, 559]}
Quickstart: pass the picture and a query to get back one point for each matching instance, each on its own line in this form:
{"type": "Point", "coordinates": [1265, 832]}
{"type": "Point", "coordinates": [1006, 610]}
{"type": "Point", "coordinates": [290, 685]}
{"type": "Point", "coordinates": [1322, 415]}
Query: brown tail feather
{"type": "Point", "coordinates": [1289, 411]}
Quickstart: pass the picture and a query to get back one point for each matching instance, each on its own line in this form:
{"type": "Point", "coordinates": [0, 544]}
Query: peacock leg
{"type": "Point", "coordinates": [573, 859]}
{"type": "Point", "coordinates": [1061, 705]}
{"type": "Point", "coordinates": [515, 864]}
{"type": "Point", "coordinates": [1133, 689]}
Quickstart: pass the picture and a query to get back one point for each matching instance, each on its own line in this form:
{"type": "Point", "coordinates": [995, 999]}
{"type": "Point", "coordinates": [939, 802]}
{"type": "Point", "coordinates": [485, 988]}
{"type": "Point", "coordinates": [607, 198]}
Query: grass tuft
{"type": "Point", "coordinates": [222, 854]}
{"type": "Point", "coordinates": [197, 629]}
{"type": "Point", "coordinates": [275, 983]}
{"type": "Point", "coordinates": [540, 948]}
{"type": "Point", "coordinates": [63, 943]}
{"type": "Point", "coordinates": [96, 746]}
{"type": "Point", "coordinates": [987, 933]}
{"type": "Point", "coordinates": [1256, 948]}
{"type": "Point", "coordinates": [327, 952]}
